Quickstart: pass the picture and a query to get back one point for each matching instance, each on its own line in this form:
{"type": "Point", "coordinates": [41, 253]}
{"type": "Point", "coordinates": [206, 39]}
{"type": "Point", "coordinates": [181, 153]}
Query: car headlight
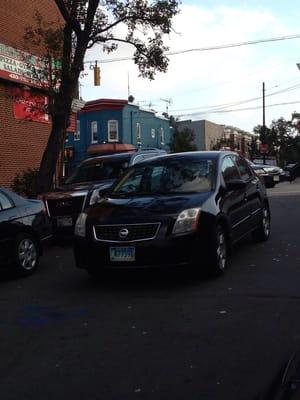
{"type": "Point", "coordinates": [80, 225]}
{"type": "Point", "coordinates": [187, 221]}
{"type": "Point", "coordinates": [95, 197]}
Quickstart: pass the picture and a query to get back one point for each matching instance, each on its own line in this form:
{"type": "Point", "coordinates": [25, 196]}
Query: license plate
{"type": "Point", "coordinates": [122, 254]}
{"type": "Point", "coordinates": [64, 221]}
{"type": "Point", "coordinates": [276, 178]}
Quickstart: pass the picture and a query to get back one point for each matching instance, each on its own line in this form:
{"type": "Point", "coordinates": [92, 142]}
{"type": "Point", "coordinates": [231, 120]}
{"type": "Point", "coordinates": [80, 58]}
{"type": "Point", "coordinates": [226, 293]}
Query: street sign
{"type": "Point", "coordinates": [264, 148]}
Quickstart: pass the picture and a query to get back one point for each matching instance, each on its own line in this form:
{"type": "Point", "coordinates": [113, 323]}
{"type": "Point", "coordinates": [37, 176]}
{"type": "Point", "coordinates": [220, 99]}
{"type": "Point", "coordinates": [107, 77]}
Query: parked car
{"type": "Point", "coordinates": [24, 226]}
{"type": "Point", "coordinates": [271, 174]}
{"type": "Point", "coordinates": [292, 171]}
{"type": "Point", "coordinates": [81, 188]}
{"type": "Point", "coordinates": [180, 209]}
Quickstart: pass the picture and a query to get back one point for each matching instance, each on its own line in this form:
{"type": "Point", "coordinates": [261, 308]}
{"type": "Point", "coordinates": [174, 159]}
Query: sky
{"type": "Point", "coordinates": [204, 84]}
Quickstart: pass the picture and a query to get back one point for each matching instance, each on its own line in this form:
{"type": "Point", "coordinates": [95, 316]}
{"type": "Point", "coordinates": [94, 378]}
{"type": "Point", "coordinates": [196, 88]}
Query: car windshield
{"type": "Point", "coordinates": [98, 171]}
{"type": "Point", "coordinates": [167, 177]}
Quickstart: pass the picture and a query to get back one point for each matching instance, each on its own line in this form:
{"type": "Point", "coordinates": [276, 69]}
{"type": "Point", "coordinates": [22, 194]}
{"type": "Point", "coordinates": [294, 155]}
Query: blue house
{"type": "Point", "coordinates": [108, 126]}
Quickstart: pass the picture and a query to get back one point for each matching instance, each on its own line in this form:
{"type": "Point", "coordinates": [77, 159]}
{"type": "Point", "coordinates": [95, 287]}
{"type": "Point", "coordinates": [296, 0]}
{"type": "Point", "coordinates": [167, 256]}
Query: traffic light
{"type": "Point", "coordinates": [96, 75]}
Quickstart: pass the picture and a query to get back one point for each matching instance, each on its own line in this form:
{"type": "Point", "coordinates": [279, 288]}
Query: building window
{"type": "Point", "coordinates": [138, 133]}
{"type": "Point", "coordinates": [153, 133]}
{"type": "Point", "coordinates": [113, 131]}
{"type": "Point", "coordinates": [162, 136]}
{"type": "Point", "coordinates": [94, 132]}
{"type": "Point", "coordinates": [77, 132]}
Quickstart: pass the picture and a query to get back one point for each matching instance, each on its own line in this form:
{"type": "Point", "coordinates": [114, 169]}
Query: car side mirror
{"type": "Point", "coordinates": [235, 184]}
{"type": "Point", "coordinates": [103, 192]}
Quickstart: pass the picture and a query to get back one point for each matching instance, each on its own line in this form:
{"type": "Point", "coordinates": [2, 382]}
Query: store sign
{"type": "Point", "coordinates": [22, 67]}
{"type": "Point", "coordinates": [30, 107]}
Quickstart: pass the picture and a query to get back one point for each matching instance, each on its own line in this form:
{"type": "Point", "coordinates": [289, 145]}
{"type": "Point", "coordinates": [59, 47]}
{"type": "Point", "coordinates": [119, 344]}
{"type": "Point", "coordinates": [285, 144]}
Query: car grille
{"type": "Point", "coordinates": [136, 232]}
{"type": "Point", "coordinates": [65, 206]}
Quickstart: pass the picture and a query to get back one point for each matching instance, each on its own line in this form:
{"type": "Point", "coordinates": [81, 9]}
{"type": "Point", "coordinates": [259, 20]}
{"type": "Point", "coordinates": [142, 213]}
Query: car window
{"type": "Point", "coordinates": [244, 169]}
{"type": "Point", "coordinates": [229, 170]}
{"type": "Point", "coordinates": [173, 176]}
{"type": "Point", "coordinates": [5, 202]}
{"type": "Point", "coordinates": [97, 171]}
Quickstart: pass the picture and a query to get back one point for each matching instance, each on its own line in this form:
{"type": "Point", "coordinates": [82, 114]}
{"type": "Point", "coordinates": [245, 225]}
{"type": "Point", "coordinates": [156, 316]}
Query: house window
{"type": "Point", "coordinates": [162, 136]}
{"type": "Point", "coordinates": [77, 132]}
{"type": "Point", "coordinates": [94, 132]}
{"type": "Point", "coordinates": [138, 133]}
{"type": "Point", "coordinates": [113, 131]}
{"type": "Point", "coordinates": [153, 133]}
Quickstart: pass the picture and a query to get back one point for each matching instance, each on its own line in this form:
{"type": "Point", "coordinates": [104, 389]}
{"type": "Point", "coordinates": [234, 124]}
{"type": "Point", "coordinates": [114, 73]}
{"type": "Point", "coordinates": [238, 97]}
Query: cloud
{"type": "Point", "coordinates": [201, 79]}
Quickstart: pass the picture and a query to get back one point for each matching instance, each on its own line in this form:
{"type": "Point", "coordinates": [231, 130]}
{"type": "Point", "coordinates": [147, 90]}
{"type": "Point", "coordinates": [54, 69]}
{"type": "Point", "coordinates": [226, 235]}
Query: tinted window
{"type": "Point", "coordinates": [229, 170]}
{"type": "Point", "coordinates": [99, 171]}
{"type": "Point", "coordinates": [243, 168]}
{"type": "Point", "coordinates": [168, 176]}
{"type": "Point", "coordinates": [5, 202]}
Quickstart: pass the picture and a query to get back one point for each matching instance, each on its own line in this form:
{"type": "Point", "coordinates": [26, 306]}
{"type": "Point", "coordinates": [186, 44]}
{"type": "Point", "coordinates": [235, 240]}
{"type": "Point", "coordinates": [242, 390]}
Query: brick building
{"type": "Point", "coordinates": [23, 135]}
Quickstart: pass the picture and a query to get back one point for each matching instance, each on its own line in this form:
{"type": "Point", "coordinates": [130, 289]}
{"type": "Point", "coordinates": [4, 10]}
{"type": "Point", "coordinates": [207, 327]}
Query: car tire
{"type": "Point", "coordinates": [218, 252]}
{"type": "Point", "coordinates": [262, 232]}
{"type": "Point", "coordinates": [26, 254]}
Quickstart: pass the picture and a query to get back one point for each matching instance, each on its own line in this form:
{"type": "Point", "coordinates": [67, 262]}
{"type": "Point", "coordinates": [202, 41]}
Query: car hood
{"type": "Point", "coordinates": [144, 208]}
{"type": "Point", "coordinates": [76, 189]}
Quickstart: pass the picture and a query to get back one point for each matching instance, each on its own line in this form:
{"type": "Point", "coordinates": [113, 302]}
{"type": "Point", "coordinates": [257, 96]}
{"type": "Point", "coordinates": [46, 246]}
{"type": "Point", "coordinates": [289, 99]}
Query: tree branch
{"type": "Point", "coordinates": [67, 17]}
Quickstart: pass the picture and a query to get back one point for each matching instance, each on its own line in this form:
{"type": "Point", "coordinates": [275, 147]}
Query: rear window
{"type": "Point", "coordinates": [102, 170]}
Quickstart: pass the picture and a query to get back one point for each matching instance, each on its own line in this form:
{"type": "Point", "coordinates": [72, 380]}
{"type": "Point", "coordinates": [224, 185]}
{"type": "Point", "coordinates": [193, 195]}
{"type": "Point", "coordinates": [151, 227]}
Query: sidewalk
{"type": "Point", "coordinates": [285, 189]}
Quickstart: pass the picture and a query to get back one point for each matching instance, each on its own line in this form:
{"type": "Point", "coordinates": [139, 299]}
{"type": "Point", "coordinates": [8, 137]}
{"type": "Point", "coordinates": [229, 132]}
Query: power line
{"type": "Point", "coordinates": [220, 107]}
{"type": "Point", "coordinates": [208, 48]}
{"type": "Point", "coordinates": [237, 109]}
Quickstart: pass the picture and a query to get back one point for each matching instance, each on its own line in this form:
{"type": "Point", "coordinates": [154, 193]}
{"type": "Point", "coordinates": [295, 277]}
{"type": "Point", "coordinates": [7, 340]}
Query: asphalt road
{"type": "Point", "coordinates": [155, 335]}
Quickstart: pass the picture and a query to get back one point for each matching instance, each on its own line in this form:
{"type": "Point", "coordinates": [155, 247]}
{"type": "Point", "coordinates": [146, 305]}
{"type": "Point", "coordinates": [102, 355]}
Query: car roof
{"type": "Point", "coordinates": [193, 154]}
{"type": "Point", "coordinates": [115, 156]}
{"type": "Point", "coordinates": [123, 156]}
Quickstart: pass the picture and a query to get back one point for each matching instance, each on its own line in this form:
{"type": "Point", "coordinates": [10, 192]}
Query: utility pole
{"type": "Point", "coordinates": [264, 121]}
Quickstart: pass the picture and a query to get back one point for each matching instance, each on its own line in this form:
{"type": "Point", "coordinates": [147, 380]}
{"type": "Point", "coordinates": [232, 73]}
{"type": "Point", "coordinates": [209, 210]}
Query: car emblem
{"type": "Point", "coordinates": [123, 233]}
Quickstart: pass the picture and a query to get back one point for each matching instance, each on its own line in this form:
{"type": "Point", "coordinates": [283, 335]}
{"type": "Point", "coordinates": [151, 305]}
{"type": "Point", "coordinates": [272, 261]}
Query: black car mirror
{"type": "Point", "coordinates": [103, 192]}
{"type": "Point", "coordinates": [235, 184]}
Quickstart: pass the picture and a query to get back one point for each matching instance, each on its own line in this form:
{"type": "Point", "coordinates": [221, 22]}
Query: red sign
{"type": "Point", "coordinates": [31, 107]}
{"type": "Point", "coordinates": [264, 148]}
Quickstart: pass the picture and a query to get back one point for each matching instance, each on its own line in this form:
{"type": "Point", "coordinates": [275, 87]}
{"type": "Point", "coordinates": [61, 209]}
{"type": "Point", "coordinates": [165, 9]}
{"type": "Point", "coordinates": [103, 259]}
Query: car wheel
{"type": "Point", "coordinates": [262, 232]}
{"type": "Point", "coordinates": [218, 253]}
{"type": "Point", "coordinates": [26, 254]}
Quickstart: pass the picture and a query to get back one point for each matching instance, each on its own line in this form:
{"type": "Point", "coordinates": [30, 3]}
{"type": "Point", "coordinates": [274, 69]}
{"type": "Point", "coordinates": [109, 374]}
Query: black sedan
{"type": "Point", "coordinates": [178, 209]}
{"type": "Point", "coordinates": [24, 226]}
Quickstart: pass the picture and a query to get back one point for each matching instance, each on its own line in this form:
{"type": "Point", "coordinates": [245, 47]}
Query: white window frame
{"type": "Point", "coordinates": [77, 132]}
{"type": "Point", "coordinates": [152, 133]}
{"type": "Point", "coordinates": [116, 122]}
{"type": "Point", "coordinates": [138, 132]}
{"type": "Point", "coordinates": [162, 136]}
{"type": "Point", "coordinates": [93, 124]}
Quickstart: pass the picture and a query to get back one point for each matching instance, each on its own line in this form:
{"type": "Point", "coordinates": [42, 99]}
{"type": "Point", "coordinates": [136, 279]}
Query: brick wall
{"type": "Point", "coordinates": [21, 142]}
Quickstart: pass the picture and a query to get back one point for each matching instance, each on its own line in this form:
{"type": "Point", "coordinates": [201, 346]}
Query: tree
{"type": "Point", "coordinates": [183, 140]}
{"type": "Point", "coordinates": [86, 23]}
{"type": "Point", "coordinates": [282, 139]}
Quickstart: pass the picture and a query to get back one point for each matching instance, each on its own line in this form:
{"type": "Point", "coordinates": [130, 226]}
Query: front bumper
{"type": "Point", "coordinates": [169, 252]}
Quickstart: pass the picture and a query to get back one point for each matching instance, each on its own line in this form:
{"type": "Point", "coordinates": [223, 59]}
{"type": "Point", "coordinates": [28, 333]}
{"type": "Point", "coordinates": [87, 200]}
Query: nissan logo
{"type": "Point", "coordinates": [123, 233]}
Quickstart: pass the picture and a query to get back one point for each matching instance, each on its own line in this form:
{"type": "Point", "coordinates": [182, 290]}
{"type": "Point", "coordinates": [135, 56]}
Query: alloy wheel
{"type": "Point", "coordinates": [27, 254]}
{"type": "Point", "coordinates": [221, 250]}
